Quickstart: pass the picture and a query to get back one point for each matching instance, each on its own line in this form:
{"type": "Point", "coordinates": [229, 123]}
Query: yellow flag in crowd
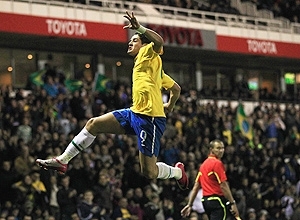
{"type": "Point", "coordinates": [243, 124]}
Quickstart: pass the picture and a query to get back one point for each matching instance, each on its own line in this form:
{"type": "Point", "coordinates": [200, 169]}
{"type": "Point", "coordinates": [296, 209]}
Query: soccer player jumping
{"type": "Point", "coordinates": [145, 118]}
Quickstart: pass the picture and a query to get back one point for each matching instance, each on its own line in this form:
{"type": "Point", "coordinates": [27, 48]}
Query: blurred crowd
{"type": "Point", "coordinates": [104, 181]}
{"type": "Point", "coordinates": [289, 9]}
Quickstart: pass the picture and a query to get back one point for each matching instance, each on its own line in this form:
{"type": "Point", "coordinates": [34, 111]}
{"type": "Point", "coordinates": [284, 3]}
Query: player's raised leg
{"type": "Point", "coordinates": [103, 124]}
{"type": "Point", "coordinates": [152, 169]}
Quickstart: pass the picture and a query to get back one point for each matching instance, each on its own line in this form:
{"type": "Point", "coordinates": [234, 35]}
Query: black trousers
{"type": "Point", "coordinates": [215, 207]}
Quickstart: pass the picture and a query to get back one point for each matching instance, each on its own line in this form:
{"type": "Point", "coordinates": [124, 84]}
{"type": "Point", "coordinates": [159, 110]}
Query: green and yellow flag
{"type": "Point", "coordinates": [37, 77]}
{"type": "Point", "coordinates": [242, 123]}
{"type": "Point", "coordinates": [73, 84]}
{"type": "Point", "coordinates": [101, 83]}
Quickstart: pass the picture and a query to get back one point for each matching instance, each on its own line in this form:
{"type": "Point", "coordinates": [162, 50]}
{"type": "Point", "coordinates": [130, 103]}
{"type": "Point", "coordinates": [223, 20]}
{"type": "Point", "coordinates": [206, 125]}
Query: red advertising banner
{"type": "Point", "coordinates": [258, 47]}
{"type": "Point", "coordinates": [46, 26]}
{"type": "Point", "coordinates": [186, 37]}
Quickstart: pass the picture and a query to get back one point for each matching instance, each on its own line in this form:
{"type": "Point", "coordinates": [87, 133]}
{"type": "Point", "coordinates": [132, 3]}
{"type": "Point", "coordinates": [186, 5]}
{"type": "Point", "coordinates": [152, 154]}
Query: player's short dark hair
{"type": "Point", "coordinates": [215, 142]}
{"type": "Point", "coordinates": [143, 38]}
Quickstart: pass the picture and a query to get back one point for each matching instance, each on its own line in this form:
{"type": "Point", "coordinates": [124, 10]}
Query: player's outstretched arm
{"type": "Point", "coordinates": [150, 34]}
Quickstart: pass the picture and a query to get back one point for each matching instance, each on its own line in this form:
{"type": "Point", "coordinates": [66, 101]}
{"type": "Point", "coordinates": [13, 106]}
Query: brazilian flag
{"type": "Point", "coordinates": [242, 123]}
{"type": "Point", "coordinates": [101, 83]}
{"type": "Point", "coordinates": [73, 84]}
{"type": "Point", "coordinates": [37, 77]}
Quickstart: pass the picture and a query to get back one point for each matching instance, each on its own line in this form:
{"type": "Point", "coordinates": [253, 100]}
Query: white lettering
{"type": "Point", "coordinates": [261, 47]}
{"type": "Point", "coordinates": [66, 27]}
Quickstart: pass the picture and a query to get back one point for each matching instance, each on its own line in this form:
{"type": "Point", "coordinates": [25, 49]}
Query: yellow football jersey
{"type": "Point", "coordinates": [148, 79]}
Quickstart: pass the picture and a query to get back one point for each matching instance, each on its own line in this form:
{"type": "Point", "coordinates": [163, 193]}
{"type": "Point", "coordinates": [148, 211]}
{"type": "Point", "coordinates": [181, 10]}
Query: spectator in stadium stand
{"type": "Point", "coordinates": [146, 115]}
{"type": "Point", "coordinates": [86, 207]}
{"type": "Point", "coordinates": [51, 87]}
{"type": "Point", "coordinates": [52, 195]}
{"type": "Point", "coordinates": [274, 130]}
{"type": "Point", "coordinates": [24, 131]}
{"type": "Point", "coordinates": [24, 162]}
{"type": "Point", "coordinates": [254, 200]}
{"type": "Point", "coordinates": [41, 198]}
{"type": "Point", "coordinates": [79, 176]}
{"type": "Point", "coordinates": [8, 176]}
{"type": "Point", "coordinates": [240, 203]}
{"type": "Point", "coordinates": [139, 197]}
{"type": "Point", "coordinates": [153, 209]}
{"type": "Point", "coordinates": [67, 199]}
{"type": "Point", "coordinates": [76, 107]}
{"type": "Point", "coordinates": [251, 214]}
{"type": "Point", "coordinates": [102, 193]}
{"type": "Point", "coordinates": [25, 195]}
{"type": "Point", "coordinates": [170, 154]}
{"type": "Point", "coordinates": [121, 211]}
{"type": "Point", "coordinates": [133, 206]}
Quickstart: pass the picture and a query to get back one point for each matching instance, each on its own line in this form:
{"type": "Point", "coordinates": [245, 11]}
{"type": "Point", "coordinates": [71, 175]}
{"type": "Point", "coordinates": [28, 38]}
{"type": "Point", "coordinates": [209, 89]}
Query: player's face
{"type": "Point", "coordinates": [218, 150]}
{"type": "Point", "coordinates": [134, 45]}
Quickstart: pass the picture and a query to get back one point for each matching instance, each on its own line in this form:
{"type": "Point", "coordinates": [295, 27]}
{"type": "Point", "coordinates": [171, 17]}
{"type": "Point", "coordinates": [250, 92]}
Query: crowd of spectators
{"type": "Point", "coordinates": [289, 9]}
{"type": "Point", "coordinates": [104, 181]}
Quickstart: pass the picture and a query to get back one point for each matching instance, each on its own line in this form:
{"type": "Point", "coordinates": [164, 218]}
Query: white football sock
{"type": "Point", "coordinates": [166, 172]}
{"type": "Point", "coordinates": [80, 142]}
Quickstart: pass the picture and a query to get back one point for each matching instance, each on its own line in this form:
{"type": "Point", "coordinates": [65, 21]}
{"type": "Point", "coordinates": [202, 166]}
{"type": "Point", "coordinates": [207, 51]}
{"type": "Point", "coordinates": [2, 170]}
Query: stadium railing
{"type": "Point", "coordinates": [268, 23]}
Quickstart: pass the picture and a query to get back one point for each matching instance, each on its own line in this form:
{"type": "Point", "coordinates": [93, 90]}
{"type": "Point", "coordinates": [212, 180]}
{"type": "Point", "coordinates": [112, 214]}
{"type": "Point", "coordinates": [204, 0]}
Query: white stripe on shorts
{"type": "Point", "coordinates": [153, 140]}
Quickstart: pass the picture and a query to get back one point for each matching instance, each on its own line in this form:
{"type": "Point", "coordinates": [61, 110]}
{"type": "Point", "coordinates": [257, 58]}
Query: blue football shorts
{"type": "Point", "coordinates": [149, 130]}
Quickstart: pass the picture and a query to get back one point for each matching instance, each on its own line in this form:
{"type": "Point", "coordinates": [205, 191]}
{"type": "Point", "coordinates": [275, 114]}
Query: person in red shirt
{"type": "Point", "coordinates": [212, 179]}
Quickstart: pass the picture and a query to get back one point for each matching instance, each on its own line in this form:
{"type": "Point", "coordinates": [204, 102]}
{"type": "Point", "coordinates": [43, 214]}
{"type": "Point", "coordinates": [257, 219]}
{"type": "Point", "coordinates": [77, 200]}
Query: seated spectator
{"type": "Point", "coordinates": [79, 177]}
{"type": "Point", "coordinates": [153, 209]}
{"type": "Point", "coordinates": [67, 199]}
{"type": "Point", "coordinates": [288, 202]}
{"type": "Point", "coordinates": [8, 176]}
{"type": "Point", "coordinates": [86, 208]}
{"type": "Point", "coordinates": [24, 131]}
{"type": "Point", "coordinates": [251, 214]}
{"type": "Point", "coordinates": [121, 211]}
{"type": "Point", "coordinates": [26, 195]}
{"type": "Point", "coordinates": [133, 206]}
{"type": "Point", "coordinates": [24, 162]}
{"type": "Point", "coordinates": [41, 192]}
{"type": "Point", "coordinates": [102, 193]}
{"type": "Point", "coordinates": [52, 195]}
{"type": "Point", "coordinates": [254, 200]}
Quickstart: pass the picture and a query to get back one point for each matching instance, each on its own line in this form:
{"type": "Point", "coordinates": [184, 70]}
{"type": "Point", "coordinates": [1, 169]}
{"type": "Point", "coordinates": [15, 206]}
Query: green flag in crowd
{"type": "Point", "coordinates": [37, 77]}
{"type": "Point", "coordinates": [73, 84]}
{"type": "Point", "coordinates": [101, 83]}
{"type": "Point", "coordinates": [243, 124]}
